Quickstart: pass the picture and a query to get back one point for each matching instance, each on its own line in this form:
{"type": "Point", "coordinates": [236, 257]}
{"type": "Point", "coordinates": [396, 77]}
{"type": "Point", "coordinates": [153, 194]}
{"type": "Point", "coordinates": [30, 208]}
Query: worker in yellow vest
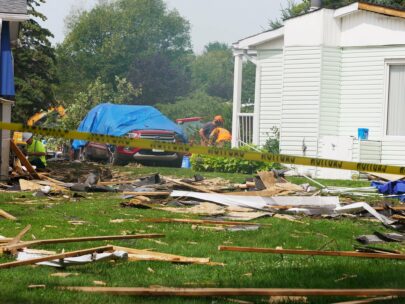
{"type": "Point", "coordinates": [36, 151]}
{"type": "Point", "coordinates": [219, 136]}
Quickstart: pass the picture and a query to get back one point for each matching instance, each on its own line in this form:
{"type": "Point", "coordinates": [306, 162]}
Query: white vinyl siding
{"type": "Point", "coordinates": [363, 97]}
{"type": "Point", "coordinates": [396, 101]}
{"type": "Point", "coordinates": [330, 91]}
{"type": "Point", "coordinates": [271, 65]}
{"type": "Point", "coordinates": [300, 108]}
{"type": "Point", "coordinates": [363, 89]}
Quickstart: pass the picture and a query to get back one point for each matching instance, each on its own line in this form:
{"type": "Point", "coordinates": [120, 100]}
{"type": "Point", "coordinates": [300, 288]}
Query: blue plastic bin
{"type": "Point", "coordinates": [362, 133]}
{"type": "Point", "coordinates": [186, 162]}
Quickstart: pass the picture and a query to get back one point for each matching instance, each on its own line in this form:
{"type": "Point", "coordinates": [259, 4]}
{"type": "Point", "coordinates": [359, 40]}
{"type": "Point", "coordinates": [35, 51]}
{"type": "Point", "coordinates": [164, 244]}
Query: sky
{"type": "Point", "coordinates": [211, 20]}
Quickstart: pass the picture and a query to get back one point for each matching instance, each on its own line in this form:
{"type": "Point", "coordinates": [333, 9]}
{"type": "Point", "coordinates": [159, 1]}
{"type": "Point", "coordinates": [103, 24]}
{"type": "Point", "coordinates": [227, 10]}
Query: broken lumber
{"type": "Point", "coordinates": [26, 185]}
{"type": "Point", "coordinates": [215, 292]}
{"type": "Point", "coordinates": [189, 186]}
{"type": "Point", "coordinates": [192, 221]}
{"type": "Point", "coordinates": [19, 236]}
{"type": "Point", "coordinates": [370, 300]}
{"type": "Point", "coordinates": [7, 215]}
{"type": "Point", "coordinates": [24, 160]}
{"type": "Point", "coordinates": [116, 183]}
{"type": "Point", "coordinates": [6, 248]}
{"type": "Point", "coordinates": [315, 252]}
{"type": "Point", "coordinates": [267, 178]}
{"type": "Point", "coordinates": [161, 193]}
{"type": "Point", "coordinates": [55, 257]}
{"type": "Point", "coordinates": [145, 255]}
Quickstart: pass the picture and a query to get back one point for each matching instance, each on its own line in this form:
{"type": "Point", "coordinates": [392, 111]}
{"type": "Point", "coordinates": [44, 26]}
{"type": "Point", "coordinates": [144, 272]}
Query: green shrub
{"type": "Point", "coordinates": [204, 163]}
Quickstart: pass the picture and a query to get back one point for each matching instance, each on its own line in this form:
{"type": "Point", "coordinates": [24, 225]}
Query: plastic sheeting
{"type": "Point", "coordinates": [391, 188]}
{"type": "Point", "coordinates": [118, 120]}
{"type": "Point", "coordinates": [326, 204]}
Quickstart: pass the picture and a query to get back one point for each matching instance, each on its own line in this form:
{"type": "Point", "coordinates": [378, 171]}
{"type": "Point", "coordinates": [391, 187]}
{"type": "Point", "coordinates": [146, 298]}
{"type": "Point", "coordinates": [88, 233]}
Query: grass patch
{"type": "Point", "coordinates": [241, 269]}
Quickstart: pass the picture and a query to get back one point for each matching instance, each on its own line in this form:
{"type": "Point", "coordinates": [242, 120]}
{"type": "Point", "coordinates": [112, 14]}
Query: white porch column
{"type": "Point", "coordinates": [237, 96]}
{"type": "Point", "coordinates": [5, 116]}
{"type": "Point", "coordinates": [256, 117]}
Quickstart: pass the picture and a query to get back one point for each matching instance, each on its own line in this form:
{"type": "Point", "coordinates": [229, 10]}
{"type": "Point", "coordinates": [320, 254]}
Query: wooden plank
{"type": "Point", "coordinates": [268, 179]}
{"type": "Point", "coordinates": [162, 193]}
{"type": "Point", "coordinates": [26, 185]}
{"type": "Point", "coordinates": [215, 292]}
{"type": "Point", "coordinates": [24, 160]}
{"type": "Point", "coordinates": [189, 186]}
{"type": "Point", "coordinates": [193, 221]}
{"type": "Point", "coordinates": [387, 177]}
{"type": "Point", "coordinates": [116, 183]}
{"type": "Point", "coordinates": [7, 215]}
{"type": "Point", "coordinates": [315, 252]}
{"type": "Point", "coordinates": [370, 300]}
{"type": "Point", "coordinates": [382, 10]}
{"type": "Point", "coordinates": [6, 248]}
{"type": "Point", "coordinates": [145, 255]}
{"type": "Point", "coordinates": [55, 257]}
{"type": "Point", "coordinates": [19, 236]}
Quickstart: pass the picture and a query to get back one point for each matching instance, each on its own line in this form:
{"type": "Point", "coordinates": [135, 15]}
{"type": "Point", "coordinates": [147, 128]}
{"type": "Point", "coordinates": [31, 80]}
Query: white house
{"type": "Point", "coordinates": [320, 78]}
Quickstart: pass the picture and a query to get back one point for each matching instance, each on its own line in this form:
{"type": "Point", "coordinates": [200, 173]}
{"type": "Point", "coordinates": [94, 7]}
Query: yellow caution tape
{"type": "Point", "coordinates": [185, 148]}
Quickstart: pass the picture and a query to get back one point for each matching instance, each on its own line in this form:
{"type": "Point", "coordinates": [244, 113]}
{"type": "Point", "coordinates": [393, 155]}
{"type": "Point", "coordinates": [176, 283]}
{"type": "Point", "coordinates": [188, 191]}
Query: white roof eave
{"type": "Point", "coordinates": [346, 10]}
{"type": "Point", "coordinates": [14, 17]}
{"type": "Point", "coordinates": [261, 38]}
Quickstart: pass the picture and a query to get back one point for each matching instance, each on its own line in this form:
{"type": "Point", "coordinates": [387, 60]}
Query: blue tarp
{"type": "Point", "coordinates": [118, 120]}
{"type": "Point", "coordinates": [391, 188]}
{"type": "Point", "coordinates": [7, 88]}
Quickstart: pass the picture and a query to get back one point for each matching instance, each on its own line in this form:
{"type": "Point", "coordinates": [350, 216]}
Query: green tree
{"type": "Point", "coordinates": [198, 104]}
{"type": "Point", "coordinates": [98, 92]}
{"type": "Point", "coordinates": [35, 73]}
{"type": "Point", "coordinates": [122, 38]}
{"type": "Point", "coordinates": [212, 71]}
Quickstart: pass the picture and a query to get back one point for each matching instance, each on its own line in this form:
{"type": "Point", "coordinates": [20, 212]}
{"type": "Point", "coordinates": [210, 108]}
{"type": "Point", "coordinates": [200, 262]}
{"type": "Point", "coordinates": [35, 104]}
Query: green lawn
{"type": "Point", "coordinates": [241, 269]}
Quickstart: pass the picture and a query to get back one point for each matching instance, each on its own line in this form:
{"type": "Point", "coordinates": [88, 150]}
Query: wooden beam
{"type": "Point", "coordinates": [189, 186]}
{"type": "Point", "coordinates": [19, 236]}
{"type": "Point", "coordinates": [24, 160]}
{"type": "Point", "coordinates": [146, 255]}
{"type": "Point", "coordinates": [381, 10]}
{"type": "Point", "coordinates": [315, 252]}
{"type": "Point", "coordinates": [215, 292]}
{"type": "Point", "coordinates": [192, 221]}
{"type": "Point", "coordinates": [6, 248]}
{"type": "Point", "coordinates": [7, 215]}
{"type": "Point", "coordinates": [162, 193]}
{"type": "Point", "coordinates": [370, 300]}
{"type": "Point", "coordinates": [55, 257]}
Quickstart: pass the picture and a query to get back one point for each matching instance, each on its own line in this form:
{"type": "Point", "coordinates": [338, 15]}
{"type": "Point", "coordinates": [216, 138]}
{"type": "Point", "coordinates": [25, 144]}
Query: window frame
{"type": "Point", "coordinates": [387, 64]}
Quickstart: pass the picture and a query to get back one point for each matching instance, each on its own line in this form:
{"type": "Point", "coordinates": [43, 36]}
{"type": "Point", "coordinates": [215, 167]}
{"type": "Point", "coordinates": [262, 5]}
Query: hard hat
{"type": "Point", "coordinates": [218, 118]}
{"type": "Point", "coordinates": [26, 136]}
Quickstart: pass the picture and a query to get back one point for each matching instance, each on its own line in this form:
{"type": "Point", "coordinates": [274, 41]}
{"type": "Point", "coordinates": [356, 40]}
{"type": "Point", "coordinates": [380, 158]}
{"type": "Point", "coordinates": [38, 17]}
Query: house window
{"type": "Point", "coordinates": [396, 100]}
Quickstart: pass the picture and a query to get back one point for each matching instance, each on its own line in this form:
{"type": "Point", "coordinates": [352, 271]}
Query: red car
{"type": "Point", "coordinates": [124, 155]}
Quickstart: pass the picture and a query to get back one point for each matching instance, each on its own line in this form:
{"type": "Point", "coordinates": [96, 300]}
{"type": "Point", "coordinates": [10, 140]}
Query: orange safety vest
{"type": "Point", "coordinates": [221, 135]}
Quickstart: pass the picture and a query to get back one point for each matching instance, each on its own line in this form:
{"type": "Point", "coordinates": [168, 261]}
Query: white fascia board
{"type": "Point", "coordinates": [14, 17]}
{"type": "Point", "coordinates": [259, 39]}
{"type": "Point", "coordinates": [346, 10]}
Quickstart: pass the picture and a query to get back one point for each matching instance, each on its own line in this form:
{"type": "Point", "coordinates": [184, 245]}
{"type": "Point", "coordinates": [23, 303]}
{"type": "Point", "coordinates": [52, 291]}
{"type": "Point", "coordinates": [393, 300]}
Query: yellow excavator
{"type": "Point", "coordinates": [37, 119]}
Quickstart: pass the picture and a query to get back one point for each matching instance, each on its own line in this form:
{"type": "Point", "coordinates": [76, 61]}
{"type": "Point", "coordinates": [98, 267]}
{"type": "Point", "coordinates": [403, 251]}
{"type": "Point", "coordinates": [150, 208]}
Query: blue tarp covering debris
{"type": "Point", "coordinates": [118, 120]}
{"type": "Point", "coordinates": [391, 188]}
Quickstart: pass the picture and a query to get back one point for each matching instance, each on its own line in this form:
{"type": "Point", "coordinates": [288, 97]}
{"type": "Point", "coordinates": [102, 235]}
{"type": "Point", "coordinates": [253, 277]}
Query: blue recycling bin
{"type": "Point", "coordinates": [186, 162]}
{"type": "Point", "coordinates": [362, 133]}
